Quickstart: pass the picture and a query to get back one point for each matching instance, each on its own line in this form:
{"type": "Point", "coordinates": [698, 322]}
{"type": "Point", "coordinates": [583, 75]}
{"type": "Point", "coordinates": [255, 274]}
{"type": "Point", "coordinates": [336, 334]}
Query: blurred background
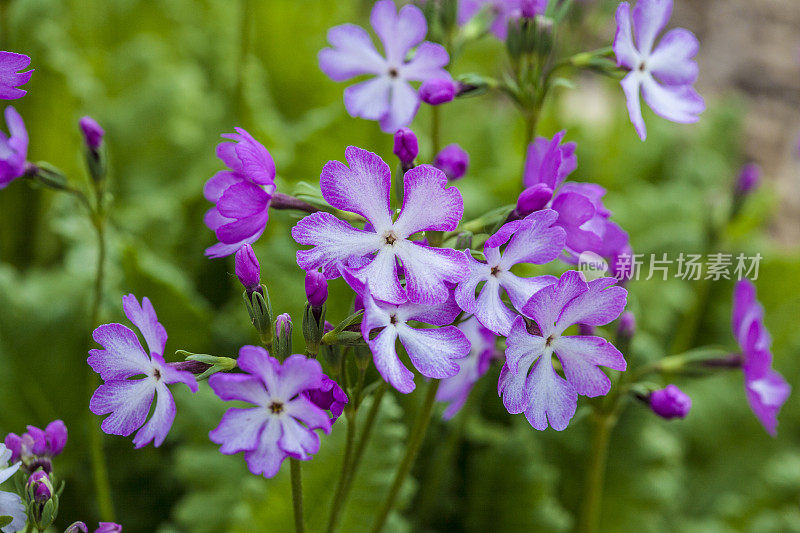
{"type": "Point", "coordinates": [166, 77]}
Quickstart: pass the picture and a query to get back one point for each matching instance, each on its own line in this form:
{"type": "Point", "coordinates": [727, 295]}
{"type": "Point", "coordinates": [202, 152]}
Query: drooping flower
{"type": "Point", "coordinates": [10, 77]}
{"type": "Point", "coordinates": [10, 503]}
{"type": "Point", "coordinates": [579, 205]}
{"type": "Point", "coordinates": [533, 239]}
{"type": "Point", "coordinates": [388, 97]}
{"type": "Point", "coordinates": [241, 195]}
{"type": "Point", "coordinates": [528, 381]}
{"type": "Point", "coordinates": [670, 402]}
{"type": "Point", "coordinates": [765, 388]}
{"type": "Point", "coordinates": [664, 74]}
{"type": "Point", "coordinates": [329, 397]}
{"type": "Point", "coordinates": [247, 268]}
{"type": "Point", "coordinates": [13, 148]}
{"type": "Point", "coordinates": [433, 352]}
{"type": "Point", "coordinates": [453, 161]}
{"type": "Point", "coordinates": [456, 389]}
{"type": "Point", "coordinates": [502, 11]}
{"type": "Point", "coordinates": [92, 132]}
{"type": "Point", "coordinates": [283, 421]}
{"type": "Point", "coordinates": [128, 401]}
{"type": "Point", "coordinates": [373, 253]}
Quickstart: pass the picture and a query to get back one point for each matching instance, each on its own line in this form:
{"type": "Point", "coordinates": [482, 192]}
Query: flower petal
{"type": "Point", "coordinates": [352, 54]}
{"type": "Point", "coordinates": [403, 105]}
{"type": "Point", "coordinates": [679, 104]}
{"type": "Point", "coordinates": [217, 184]}
{"type": "Point", "coordinates": [580, 358]}
{"type": "Point", "coordinates": [297, 440]}
{"type": "Point", "coordinates": [11, 505]}
{"type": "Point", "coordinates": [428, 62]}
{"type": "Point", "coordinates": [128, 401]}
{"type": "Point", "coordinates": [546, 305]}
{"type": "Point", "coordinates": [536, 240]}
{"type": "Point", "coordinates": [381, 275]}
{"type": "Point", "coordinates": [388, 364]}
{"type": "Point", "coordinates": [599, 305]}
{"type": "Point", "coordinates": [428, 203]}
{"type": "Point", "coordinates": [239, 429]}
{"type": "Point", "coordinates": [399, 32]}
{"type": "Point", "coordinates": [428, 269]}
{"type": "Point", "coordinates": [433, 351]}
{"type": "Point", "coordinates": [160, 422]}
{"type": "Point", "coordinates": [766, 396]}
{"type": "Point", "coordinates": [122, 356]}
{"type": "Point", "coordinates": [369, 99]}
{"type": "Point", "coordinates": [627, 55]}
{"type": "Point", "coordinates": [243, 387]}
{"type": "Point", "coordinates": [309, 413]}
{"type": "Point", "coordinates": [671, 62]}
{"type": "Point", "coordinates": [243, 228]}
{"type": "Point", "coordinates": [630, 86]}
{"type": "Point", "coordinates": [520, 290]}
{"type": "Point", "coordinates": [465, 291]}
{"type": "Point", "coordinates": [649, 18]}
{"type": "Point", "coordinates": [297, 373]}
{"type": "Point", "coordinates": [553, 399]}
{"type": "Point", "coordinates": [144, 317]}
{"type": "Point", "coordinates": [267, 458]}
{"type": "Point", "coordinates": [490, 309]}
{"type": "Point", "coordinates": [441, 314]}
{"type": "Point", "coordinates": [243, 200]}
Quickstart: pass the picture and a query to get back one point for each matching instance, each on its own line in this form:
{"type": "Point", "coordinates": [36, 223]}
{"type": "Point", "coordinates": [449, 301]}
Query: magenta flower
{"type": "Point", "coordinates": [108, 527]}
{"type": "Point", "coordinates": [329, 396]}
{"type": "Point", "coordinates": [665, 74]}
{"type": "Point", "coordinates": [533, 239]}
{"type": "Point", "coordinates": [528, 381]}
{"type": "Point", "coordinates": [373, 253]}
{"type": "Point", "coordinates": [579, 205]}
{"type": "Point", "coordinates": [453, 161]}
{"type": "Point", "coordinates": [406, 146]}
{"type": "Point", "coordinates": [456, 389]}
{"type": "Point", "coordinates": [241, 194]}
{"type": "Point", "coordinates": [283, 421]}
{"type": "Point", "coordinates": [35, 442]}
{"type": "Point", "coordinates": [13, 149]}
{"type": "Point", "coordinates": [10, 77]}
{"type": "Point", "coordinates": [670, 402]}
{"type": "Point", "coordinates": [388, 97]}
{"type": "Point", "coordinates": [503, 11]}
{"type": "Point", "coordinates": [129, 400]}
{"type": "Point", "coordinates": [92, 132]}
{"type": "Point", "coordinates": [316, 288]}
{"type": "Point", "coordinates": [749, 179]}
{"type": "Point", "coordinates": [765, 388]}
{"type": "Point", "coordinates": [436, 91]}
{"type": "Point", "coordinates": [433, 352]}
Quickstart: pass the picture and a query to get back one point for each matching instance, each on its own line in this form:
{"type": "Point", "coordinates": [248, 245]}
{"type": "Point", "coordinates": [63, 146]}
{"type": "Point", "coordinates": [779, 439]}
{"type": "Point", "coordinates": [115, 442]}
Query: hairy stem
{"type": "Point", "coordinates": [412, 448]}
{"type": "Point", "coordinates": [297, 494]}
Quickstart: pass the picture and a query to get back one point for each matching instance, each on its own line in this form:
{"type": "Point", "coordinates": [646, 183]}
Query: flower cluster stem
{"type": "Point", "coordinates": [297, 494]}
{"type": "Point", "coordinates": [412, 448]}
{"type": "Point", "coordinates": [603, 424]}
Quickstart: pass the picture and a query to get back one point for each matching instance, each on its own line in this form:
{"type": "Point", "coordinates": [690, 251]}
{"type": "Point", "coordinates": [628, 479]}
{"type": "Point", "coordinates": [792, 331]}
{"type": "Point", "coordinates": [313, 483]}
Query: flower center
{"type": "Point", "coordinates": [276, 408]}
{"type": "Point", "coordinates": [393, 72]}
{"type": "Point", "coordinates": [495, 271]}
{"type": "Point", "coordinates": [156, 374]}
{"type": "Point", "coordinates": [549, 340]}
{"type": "Point", "coordinates": [642, 66]}
{"type": "Point", "coordinates": [393, 319]}
{"type": "Point", "coordinates": [390, 237]}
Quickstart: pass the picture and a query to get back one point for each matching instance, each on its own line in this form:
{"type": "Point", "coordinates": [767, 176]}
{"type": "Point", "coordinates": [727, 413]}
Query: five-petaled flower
{"type": "Point", "coordinates": [129, 400]}
{"type": "Point", "coordinates": [13, 148]}
{"type": "Point", "coordinates": [543, 395]}
{"type": "Point", "coordinates": [664, 74]}
{"type": "Point", "coordinates": [456, 389]}
{"type": "Point", "coordinates": [10, 77]}
{"type": "Point", "coordinates": [241, 194]}
{"type": "Point", "coordinates": [533, 239]}
{"type": "Point", "coordinates": [283, 421]}
{"type": "Point", "coordinates": [765, 388]}
{"type": "Point", "coordinates": [388, 97]}
{"type": "Point", "coordinates": [372, 254]}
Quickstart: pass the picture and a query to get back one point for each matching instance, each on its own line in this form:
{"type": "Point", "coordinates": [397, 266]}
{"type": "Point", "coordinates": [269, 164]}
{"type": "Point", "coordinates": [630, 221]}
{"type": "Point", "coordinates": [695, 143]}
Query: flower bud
{"type": "Point", "coordinates": [39, 446]}
{"type": "Point", "coordinates": [282, 347]}
{"type": "Point", "coordinates": [533, 199]}
{"type": "Point", "coordinates": [627, 325]}
{"type": "Point", "coordinates": [328, 397]}
{"type": "Point", "coordinates": [108, 527]}
{"type": "Point", "coordinates": [670, 402]}
{"type": "Point", "coordinates": [453, 161]}
{"type": "Point", "coordinates": [259, 308]}
{"type": "Point", "coordinates": [749, 179]}
{"type": "Point", "coordinates": [437, 91]}
{"type": "Point", "coordinates": [77, 527]}
{"type": "Point", "coordinates": [55, 437]}
{"type": "Point", "coordinates": [14, 443]}
{"type": "Point", "coordinates": [247, 268]}
{"type": "Point", "coordinates": [406, 146]}
{"type": "Point", "coordinates": [39, 487]}
{"type": "Point", "coordinates": [92, 132]}
{"type": "Point", "coordinates": [316, 288]}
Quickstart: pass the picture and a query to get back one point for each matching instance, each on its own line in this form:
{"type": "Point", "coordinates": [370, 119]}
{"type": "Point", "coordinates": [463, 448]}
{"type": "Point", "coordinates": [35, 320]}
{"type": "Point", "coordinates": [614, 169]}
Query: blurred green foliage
{"type": "Point", "coordinates": [165, 78]}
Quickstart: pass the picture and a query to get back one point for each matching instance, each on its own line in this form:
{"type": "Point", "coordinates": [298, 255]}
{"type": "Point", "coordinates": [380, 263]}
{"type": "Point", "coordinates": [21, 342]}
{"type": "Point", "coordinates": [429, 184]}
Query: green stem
{"type": "Point", "coordinates": [412, 448]}
{"type": "Point", "coordinates": [297, 494]}
{"type": "Point", "coordinates": [347, 462]}
{"type": "Point", "coordinates": [98, 459]}
{"type": "Point", "coordinates": [603, 423]}
{"type": "Point", "coordinates": [435, 133]}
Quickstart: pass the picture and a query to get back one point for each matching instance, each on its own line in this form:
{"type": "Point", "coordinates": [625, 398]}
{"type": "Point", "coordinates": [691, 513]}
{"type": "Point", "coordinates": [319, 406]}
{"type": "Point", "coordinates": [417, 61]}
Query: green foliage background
{"type": "Point", "coordinates": [165, 78]}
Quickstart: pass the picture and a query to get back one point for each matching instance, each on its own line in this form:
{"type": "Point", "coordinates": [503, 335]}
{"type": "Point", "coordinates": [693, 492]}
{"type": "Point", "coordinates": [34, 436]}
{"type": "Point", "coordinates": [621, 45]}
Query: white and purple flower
{"type": "Point", "coordinates": [128, 401]}
{"type": "Point", "coordinates": [10, 77]}
{"type": "Point", "coordinates": [664, 74]}
{"type": "Point", "coordinates": [533, 239]}
{"type": "Point", "coordinates": [388, 97]}
{"type": "Point", "coordinates": [372, 253]}
{"type": "Point", "coordinates": [456, 389]}
{"type": "Point", "coordinates": [10, 503]}
{"type": "Point", "coordinates": [241, 195]}
{"type": "Point", "coordinates": [13, 148]}
{"type": "Point", "coordinates": [765, 388]}
{"type": "Point", "coordinates": [283, 421]}
{"type": "Point", "coordinates": [528, 382]}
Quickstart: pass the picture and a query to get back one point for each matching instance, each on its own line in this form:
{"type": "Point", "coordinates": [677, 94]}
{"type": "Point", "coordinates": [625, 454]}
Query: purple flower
{"type": "Point", "coordinates": [433, 352]}
{"type": "Point", "coordinates": [388, 97]}
{"type": "Point", "coordinates": [283, 421]}
{"type": "Point", "coordinates": [10, 78]}
{"type": "Point", "coordinates": [372, 253]}
{"type": "Point", "coordinates": [453, 161]}
{"type": "Point", "coordinates": [13, 149]}
{"type": "Point", "coordinates": [528, 381]}
{"type": "Point", "coordinates": [241, 194]}
{"type": "Point", "coordinates": [92, 132]}
{"type": "Point", "coordinates": [749, 178]}
{"type": "Point", "coordinates": [765, 388]}
{"type": "Point", "coordinates": [503, 11]}
{"type": "Point", "coordinates": [316, 288]}
{"type": "Point", "coordinates": [247, 268]}
{"type": "Point", "coordinates": [36, 442]}
{"type": "Point", "coordinates": [10, 503]}
{"type": "Point", "coordinates": [329, 397]}
{"type": "Point", "coordinates": [437, 91]}
{"type": "Point", "coordinates": [456, 389]}
{"type": "Point", "coordinates": [670, 402]}
{"type": "Point", "coordinates": [665, 74]}
{"type": "Point", "coordinates": [579, 205]}
{"type": "Point", "coordinates": [533, 239]}
{"type": "Point", "coordinates": [129, 400]}
{"type": "Point", "coordinates": [108, 527]}
{"type": "Point", "coordinates": [406, 147]}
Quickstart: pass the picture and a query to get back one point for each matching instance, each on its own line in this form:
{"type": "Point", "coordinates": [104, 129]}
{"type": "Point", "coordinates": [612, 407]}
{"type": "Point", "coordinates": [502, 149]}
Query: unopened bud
{"type": "Point", "coordinates": [92, 132]}
{"type": "Point", "coordinates": [670, 402]}
{"type": "Point", "coordinates": [406, 147]}
{"type": "Point", "coordinates": [259, 307]}
{"type": "Point", "coordinates": [282, 348]}
{"type": "Point", "coordinates": [247, 268]}
{"type": "Point", "coordinates": [749, 179]}
{"type": "Point", "coordinates": [533, 199]}
{"type": "Point", "coordinates": [77, 527]}
{"type": "Point", "coordinates": [453, 161]}
{"type": "Point", "coordinates": [39, 487]}
{"type": "Point", "coordinates": [316, 288]}
{"type": "Point", "coordinates": [627, 326]}
{"type": "Point", "coordinates": [437, 91]}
